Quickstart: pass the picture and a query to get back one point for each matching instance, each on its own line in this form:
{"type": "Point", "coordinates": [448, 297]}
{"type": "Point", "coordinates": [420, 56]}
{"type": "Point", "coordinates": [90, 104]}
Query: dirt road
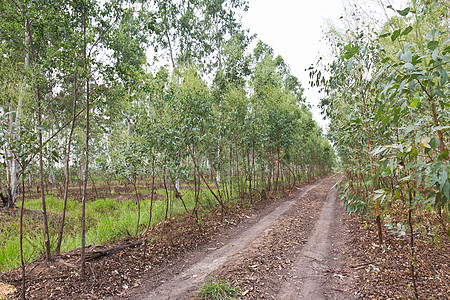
{"type": "Point", "coordinates": [294, 250]}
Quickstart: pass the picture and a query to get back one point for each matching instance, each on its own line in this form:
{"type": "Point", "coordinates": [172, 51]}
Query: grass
{"type": "Point", "coordinates": [107, 221]}
{"type": "Point", "coordinates": [216, 289]}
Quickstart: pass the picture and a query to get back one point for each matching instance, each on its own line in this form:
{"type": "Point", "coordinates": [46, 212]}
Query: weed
{"type": "Point", "coordinates": [216, 289]}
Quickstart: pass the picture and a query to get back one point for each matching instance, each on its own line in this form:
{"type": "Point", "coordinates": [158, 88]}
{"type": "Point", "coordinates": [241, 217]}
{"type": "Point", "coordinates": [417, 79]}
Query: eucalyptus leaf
{"type": "Point", "coordinates": [407, 30]}
{"type": "Point", "coordinates": [444, 75]}
{"type": "Point", "coordinates": [404, 12]}
{"type": "Point", "coordinates": [396, 34]}
{"type": "Point", "coordinates": [435, 53]}
{"type": "Point", "coordinates": [432, 45]}
{"type": "Point", "coordinates": [409, 67]}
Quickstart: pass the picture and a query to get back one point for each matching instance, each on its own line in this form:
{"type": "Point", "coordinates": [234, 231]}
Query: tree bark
{"type": "Point", "coordinates": [86, 168]}
{"type": "Point", "coordinates": [66, 170]}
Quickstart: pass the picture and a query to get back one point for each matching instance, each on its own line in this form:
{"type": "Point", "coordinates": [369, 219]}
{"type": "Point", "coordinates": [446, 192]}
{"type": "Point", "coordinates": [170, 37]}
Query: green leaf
{"type": "Point", "coordinates": [384, 35]}
{"type": "Point", "coordinates": [443, 155]}
{"type": "Point", "coordinates": [409, 67]}
{"type": "Point", "coordinates": [439, 93]}
{"type": "Point", "coordinates": [446, 189]}
{"type": "Point", "coordinates": [443, 176]}
{"type": "Point", "coordinates": [432, 45]}
{"type": "Point", "coordinates": [349, 64]}
{"type": "Point", "coordinates": [387, 172]}
{"type": "Point", "coordinates": [409, 165]}
{"type": "Point", "coordinates": [433, 33]}
{"type": "Point", "coordinates": [404, 12]}
{"type": "Point", "coordinates": [444, 75]}
{"type": "Point", "coordinates": [350, 51]}
{"type": "Point", "coordinates": [435, 142]}
{"type": "Point", "coordinates": [42, 128]}
{"type": "Point", "coordinates": [406, 57]}
{"type": "Point", "coordinates": [410, 128]}
{"type": "Point", "coordinates": [445, 42]}
{"type": "Point", "coordinates": [396, 34]}
{"type": "Point", "coordinates": [416, 100]}
{"type": "Point", "coordinates": [441, 128]}
{"type": "Point", "coordinates": [436, 166]}
{"type": "Point", "coordinates": [407, 30]}
{"type": "Point", "coordinates": [434, 55]}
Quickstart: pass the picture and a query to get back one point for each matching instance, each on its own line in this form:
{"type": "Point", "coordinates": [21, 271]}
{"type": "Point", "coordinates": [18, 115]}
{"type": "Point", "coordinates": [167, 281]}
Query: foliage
{"type": "Point", "coordinates": [387, 101]}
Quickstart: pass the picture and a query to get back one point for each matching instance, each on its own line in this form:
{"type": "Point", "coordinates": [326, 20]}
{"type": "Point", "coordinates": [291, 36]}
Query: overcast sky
{"type": "Point", "coordinates": [294, 29]}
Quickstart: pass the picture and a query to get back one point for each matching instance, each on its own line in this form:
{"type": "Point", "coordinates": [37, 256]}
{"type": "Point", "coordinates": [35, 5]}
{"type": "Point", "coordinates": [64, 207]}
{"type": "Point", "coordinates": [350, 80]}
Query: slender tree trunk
{"type": "Point", "coordinates": [138, 203]}
{"type": "Point", "coordinates": [41, 177]}
{"type": "Point", "coordinates": [231, 171]}
{"type": "Point", "coordinates": [194, 160]}
{"type": "Point", "coordinates": [165, 188]}
{"type": "Point", "coordinates": [152, 193]}
{"type": "Point", "coordinates": [166, 32]}
{"type": "Point", "coordinates": [253, 168]}
{"type": "Point", "coordinates": [214, 178]}
{"type": "Point", "coordinates": [238, 173]}
{"type": "Point", "coordinates": [244, 174]}
{"type": "Point", "coordinates": [196, 185]}
{"type": "Point", "coordinates": [250, 177]}
{"type": "Point", "coordinates": [278, 168]}
{"type": "Point", "coordinates": [21, 239]}
{"type": "Point", "coordinates": [412, 259]}
{"type": "Point", "coordinates": [66, 170]}
{"type": "Point", "coordinates": [86, 168]}
{"type": "Point", "coordinates": [41, 171]}
{"type": "Point", "coordinates": [177, 192]}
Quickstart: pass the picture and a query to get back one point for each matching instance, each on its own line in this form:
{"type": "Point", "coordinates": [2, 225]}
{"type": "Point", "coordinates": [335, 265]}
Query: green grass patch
{"type": "Point", "coordinates": [217, 289]}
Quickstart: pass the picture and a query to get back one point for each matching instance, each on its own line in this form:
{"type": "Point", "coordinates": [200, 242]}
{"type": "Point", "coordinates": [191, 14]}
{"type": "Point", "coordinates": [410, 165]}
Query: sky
{"type": "Point", "coordinates": [294, 29]}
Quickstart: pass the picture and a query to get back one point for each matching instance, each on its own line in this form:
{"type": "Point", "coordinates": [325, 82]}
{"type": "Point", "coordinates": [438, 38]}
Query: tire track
{"type": "Point", "coordinates": [180, 286]}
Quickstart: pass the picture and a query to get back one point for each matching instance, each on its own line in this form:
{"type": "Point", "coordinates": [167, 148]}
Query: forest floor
{"type": "Point", "coordinates": [303, 246]}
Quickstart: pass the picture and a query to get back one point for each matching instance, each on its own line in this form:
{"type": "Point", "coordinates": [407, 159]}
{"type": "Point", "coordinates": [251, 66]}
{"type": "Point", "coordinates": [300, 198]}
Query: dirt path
{"type": "Point", "coordinates": [310, 275]}
{"type": "Point", "coordinates": [279, 254]}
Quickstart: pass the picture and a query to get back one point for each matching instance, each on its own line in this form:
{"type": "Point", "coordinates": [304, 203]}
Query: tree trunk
{"type": "Point", "coordinates": [152, 192]}
{"type": "Point", "coordinates": [278, 168]}
{"type": "Point", "coordinates": [250, 175]}
{"type": "Point", "coordinates": [413, 276]}
{"type": "Point", "coordinates": [66, 168]}
{"type": "Point", "coordinates": [86, 168]}
{"type": "Point", "coordinates": [41, 171]}
{"type": "Point", "coordinates": [21, 240]}
{"type": "Point", "coordinates": [138, 203]}
{"type": "Point", "coordinates": [165, 188]}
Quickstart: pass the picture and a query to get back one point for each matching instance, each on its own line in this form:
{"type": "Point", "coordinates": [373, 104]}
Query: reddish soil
{"type": "Point", "coordinates": [300, 247]}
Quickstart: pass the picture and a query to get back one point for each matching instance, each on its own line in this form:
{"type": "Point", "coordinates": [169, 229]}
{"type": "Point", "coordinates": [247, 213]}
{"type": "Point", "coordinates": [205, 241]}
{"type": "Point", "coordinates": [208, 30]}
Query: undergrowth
{"type": "Point", "coordinates": [108, 221]}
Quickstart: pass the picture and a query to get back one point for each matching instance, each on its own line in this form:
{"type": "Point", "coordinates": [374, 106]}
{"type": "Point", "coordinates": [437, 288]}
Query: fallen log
{"type": "Point", "coordinates": [96, 254]}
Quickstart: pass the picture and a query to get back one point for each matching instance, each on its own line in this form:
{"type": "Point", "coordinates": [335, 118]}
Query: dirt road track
{"type": "Point", "coordinates": [312, 274]}
{"type": "Point", "coordinates": [309, 277]}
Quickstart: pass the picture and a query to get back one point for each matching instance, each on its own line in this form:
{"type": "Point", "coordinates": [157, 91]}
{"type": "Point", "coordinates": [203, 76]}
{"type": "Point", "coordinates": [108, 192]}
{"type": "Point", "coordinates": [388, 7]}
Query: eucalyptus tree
{"type": "Point", "coordinates": [386, 98]}
{"type": "Point", "coordinates": [38, 35]}
{"type": "Point", "coordinates": [192, 31]}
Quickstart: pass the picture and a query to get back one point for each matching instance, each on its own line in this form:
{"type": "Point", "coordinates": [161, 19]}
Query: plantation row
{"type": "Point", "coordinates": [81, 107]}
{"type": "Point", "coordinates": [387, 94]}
